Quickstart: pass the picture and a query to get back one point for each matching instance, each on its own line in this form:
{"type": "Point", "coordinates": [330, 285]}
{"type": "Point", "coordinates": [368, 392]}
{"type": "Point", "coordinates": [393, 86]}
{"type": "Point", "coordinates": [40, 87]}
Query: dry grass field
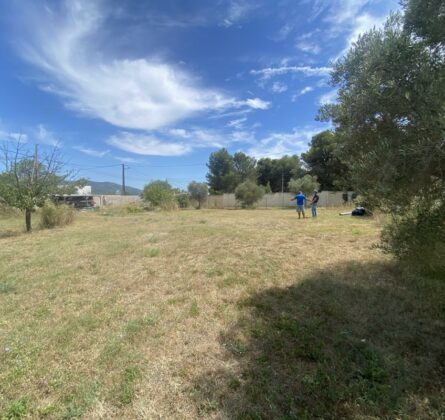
{"type": "Point", "coordinates": [215, 314]}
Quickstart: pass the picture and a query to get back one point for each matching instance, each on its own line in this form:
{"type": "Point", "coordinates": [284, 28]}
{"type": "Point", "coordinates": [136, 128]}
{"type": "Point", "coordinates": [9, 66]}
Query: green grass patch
{"type": "Point", "coordinates": [127, 386]}
{"type": "Point", "coordinates": [151, 252]}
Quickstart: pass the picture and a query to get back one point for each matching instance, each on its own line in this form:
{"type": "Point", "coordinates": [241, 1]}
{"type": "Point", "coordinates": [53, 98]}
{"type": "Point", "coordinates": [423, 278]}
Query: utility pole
{"type": "Point", "coordinates": [123, 179]}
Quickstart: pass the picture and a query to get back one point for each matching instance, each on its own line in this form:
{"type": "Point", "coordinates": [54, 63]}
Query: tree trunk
{"type": "Point", "coordinates": [28, 220]}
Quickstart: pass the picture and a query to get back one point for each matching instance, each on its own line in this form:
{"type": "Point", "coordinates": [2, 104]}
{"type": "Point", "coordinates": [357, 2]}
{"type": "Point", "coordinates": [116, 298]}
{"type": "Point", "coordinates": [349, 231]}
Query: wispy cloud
{"type": "Point", "coordinates": [257, 103]}
{"type": "Point", "coordinates": [302, 92]}
{"type": "Point", "coordinates": [237, 123]}
{"type": "Point", "coordinates": [14, 137]}
{"type": "Point", "coordinates": [328, 98]}
{"type": "Point", "coordinates": [91, 152]}
{"type": "Point", "coordinates": [308, 47]}
{"type": "Point", "coordinates": [278, 87]}
{"type": "Point", "coordinates": [43, 135]}
{"type": "Point", "coordinates": [270, 72]}
{"type": "Point", "coordinates": [276, 145]}
{"type": "Point", "coordinates": [236, 11]}
{"type": "Point", "coordinates": [132, 93]}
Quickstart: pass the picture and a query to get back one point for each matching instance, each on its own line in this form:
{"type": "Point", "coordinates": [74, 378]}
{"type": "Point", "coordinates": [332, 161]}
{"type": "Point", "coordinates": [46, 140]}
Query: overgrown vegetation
{"type": "Point", "coordinates": [52, 215]}
{"type": "Point", "coordinates": [390, 119]}
{"type": "Point", "coordinates": [159, 194]}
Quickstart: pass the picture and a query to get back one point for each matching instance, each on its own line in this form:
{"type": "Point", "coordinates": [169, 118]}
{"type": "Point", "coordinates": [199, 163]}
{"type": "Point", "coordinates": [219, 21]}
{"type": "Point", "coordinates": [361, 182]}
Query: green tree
{"type": "Point", "coordinates": [426, 19]}
{"type": "Point", "coordinates": [307, 184]}
{"type": "Point", "coordinates": [199, 192]}
{"type": "Point", "coordinates": [323, 161]}
{"type": "Point", "coordinates": [248, 193]}
{"type": "Point", "coordinates": [27, 182]}
{"type": "Point", "coordinates": [278, 172]}
{"type": "Point", "coordinates": [390, 117]}
{"type": "Point", "coordinates": [159, 194]}
{"type": "Point", "coordinates": [221, 177]}
{"type": "Point", "coordinates": [244, 167]}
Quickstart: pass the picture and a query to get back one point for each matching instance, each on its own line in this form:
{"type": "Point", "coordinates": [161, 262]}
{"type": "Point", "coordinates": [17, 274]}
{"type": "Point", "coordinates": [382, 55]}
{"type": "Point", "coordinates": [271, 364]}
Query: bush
{"type": "Point", "coordinates": [52, 215]}
{"type": "Point", "coordinates": [6, 210]}
{"type": "Point", "coordinates": [418, 238]}
{"type": "Point", "coordinates": [159, 194]}
{"type": "Point", "coordinates": [183, 200]}
{"type": "Point", "coordinates": [248, 193]}
{"type": "Point", "coordinates": [133, 208]}
{"type": "Point", "coordinates": [307, 184]}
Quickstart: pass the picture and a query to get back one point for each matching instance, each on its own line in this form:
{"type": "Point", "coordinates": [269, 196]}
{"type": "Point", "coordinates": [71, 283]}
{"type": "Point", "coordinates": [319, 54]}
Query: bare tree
{"type": "Point", "coordinates": [27, 180]}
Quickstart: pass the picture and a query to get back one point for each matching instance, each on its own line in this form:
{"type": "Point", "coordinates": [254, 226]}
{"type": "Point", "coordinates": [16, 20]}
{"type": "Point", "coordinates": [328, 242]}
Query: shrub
{"type": "Point", "coordinates": [183, 200]}
{"type": "Point", "coordinates": [159, 194]}
{"type": "Point", "coordinates": [133, 208]}
{"type": "Point", "coordinates": [52, 215]}
{"type": "Point", "coordinates": [307, 184]}
{"type": "Point", "coordinates": [6, 210]}
{"type": "Point", "coordinates": [248, 193]}
{"type": "Point", "coordinates": [418, 238]}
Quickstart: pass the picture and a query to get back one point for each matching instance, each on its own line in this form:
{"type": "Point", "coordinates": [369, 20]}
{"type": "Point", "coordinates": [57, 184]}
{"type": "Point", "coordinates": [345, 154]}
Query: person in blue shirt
{"type": "Point", "coordinates": [301, 201]}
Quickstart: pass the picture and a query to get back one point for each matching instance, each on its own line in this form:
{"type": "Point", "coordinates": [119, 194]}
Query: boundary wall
{"type": "Point", "coordinates": [280, 200]}
{"type": "Point", "coordinates": [228, 201]}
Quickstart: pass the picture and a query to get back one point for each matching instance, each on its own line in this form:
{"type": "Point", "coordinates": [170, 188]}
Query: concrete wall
{"type": "Point", "coordinates": [227, 201]}
{"type": "Point", "coordinates": [116, 200]}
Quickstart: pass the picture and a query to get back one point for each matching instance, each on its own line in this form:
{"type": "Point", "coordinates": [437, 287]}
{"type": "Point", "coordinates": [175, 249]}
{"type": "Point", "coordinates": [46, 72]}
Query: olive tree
{"type": "Point", "coordinates": [248, 193]}
{"type": "Point", "coordinates": [199, 192]}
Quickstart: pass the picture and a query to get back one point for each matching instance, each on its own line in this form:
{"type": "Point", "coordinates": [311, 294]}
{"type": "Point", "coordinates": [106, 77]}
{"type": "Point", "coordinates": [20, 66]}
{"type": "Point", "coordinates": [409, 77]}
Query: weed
{"type": "Point", "coordinates": [194, 309]}
{"type": "Point", "coordinates": [17, 409]}
{"type": "Point", "coordinates": [152, 252]}
{"type": "Point", "coordinates": [127, 386]}
{"type": "Point", "coordinates": [6, 287]}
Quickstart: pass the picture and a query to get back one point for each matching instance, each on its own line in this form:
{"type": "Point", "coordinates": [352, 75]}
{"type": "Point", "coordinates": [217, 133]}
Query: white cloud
{"type": "Point", "coordinates": [302, 92]}
{"type": "Point", "coordinates": [238, 123]}
{"type": "Point", "coordinates": [15, 137]}
{"type": "Point", "coordinates": [126, 159]}
{"type": "Point", "coordinates": [328, 98]}
{"type": "Point", "coordinates": [91, 152]}
{"type": "Point", "coordinates": [276, 145]}
{"type": "Point", "coordinates": [257, 103]}
{"type": "Point", "coordinates": [145, 144]}
{"type": "Point", "coordinates": [132, 93]}
{"type": "Point", "coordinates": [308, 47]}
{"type": "Point", "coordinates": [343, 11]}
{"type": "Point", "coordinates": [279, 87]}
{"type": "Point", "coordinates": [269, 72]}
{"type": "Point", "coordinates": [237, 10]}
{"type": "Point", "coordinates": [43, 135]}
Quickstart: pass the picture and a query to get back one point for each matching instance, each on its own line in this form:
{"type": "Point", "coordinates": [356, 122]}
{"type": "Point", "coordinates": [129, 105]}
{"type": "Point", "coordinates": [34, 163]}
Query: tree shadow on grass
{"type": "Point", "coordinates": [354, 341]}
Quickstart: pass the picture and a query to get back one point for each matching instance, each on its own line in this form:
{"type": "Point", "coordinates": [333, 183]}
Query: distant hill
{"type": "Point", "coordinates": [111, 188]}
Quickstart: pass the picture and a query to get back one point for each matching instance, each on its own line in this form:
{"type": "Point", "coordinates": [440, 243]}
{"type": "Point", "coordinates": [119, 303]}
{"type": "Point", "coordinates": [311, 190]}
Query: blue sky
{"type": "Point", "coordinates": [159, 85]}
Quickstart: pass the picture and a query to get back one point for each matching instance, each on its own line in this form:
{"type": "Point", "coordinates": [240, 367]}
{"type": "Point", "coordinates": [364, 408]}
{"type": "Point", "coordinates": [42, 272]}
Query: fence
{"type": "Point", "coordinates": [283, 200]}
{"type": "Point", "coordinates": [228, 201]}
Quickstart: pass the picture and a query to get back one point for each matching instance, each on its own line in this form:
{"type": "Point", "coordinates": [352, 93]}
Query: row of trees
{"type": "Point", "coordinates": [322, 161]}
{"type": "Point", "coordinates": [161, 194]}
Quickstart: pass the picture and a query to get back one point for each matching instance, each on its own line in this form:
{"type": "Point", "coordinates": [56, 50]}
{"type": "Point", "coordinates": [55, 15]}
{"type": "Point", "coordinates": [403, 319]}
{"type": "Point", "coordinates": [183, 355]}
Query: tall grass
{"type": "Point", "coordinates": [52, 215]}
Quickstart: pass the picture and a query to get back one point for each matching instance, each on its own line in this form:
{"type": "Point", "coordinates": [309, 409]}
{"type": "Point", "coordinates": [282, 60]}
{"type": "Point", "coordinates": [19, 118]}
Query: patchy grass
{"type": "Point", "coordinates": [241, 314]}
